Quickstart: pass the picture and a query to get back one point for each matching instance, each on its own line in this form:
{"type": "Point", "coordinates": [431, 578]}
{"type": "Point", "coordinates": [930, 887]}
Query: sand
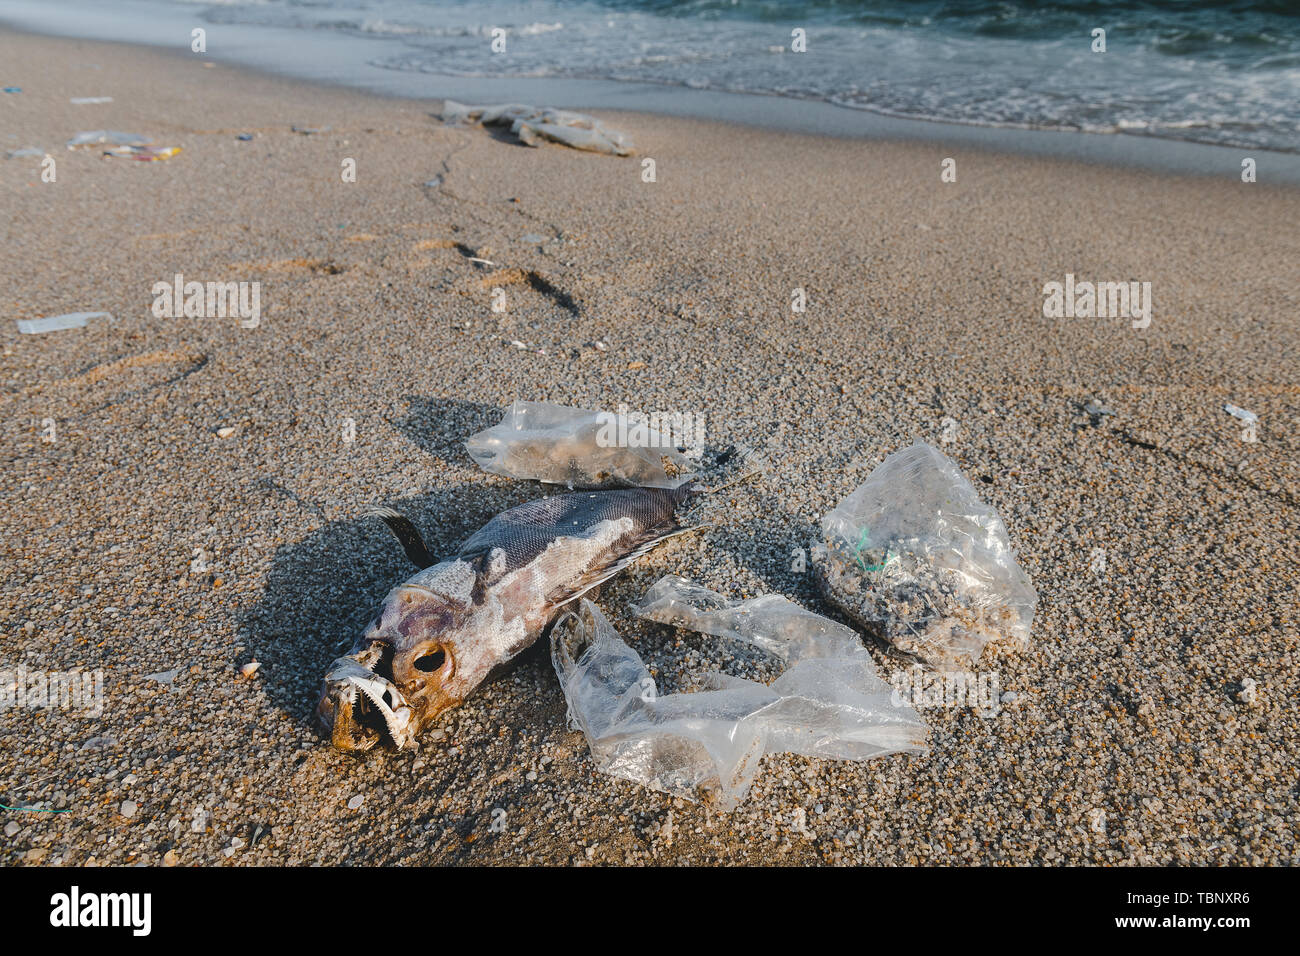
{"type": "Point", "coordinates": [139, 542]}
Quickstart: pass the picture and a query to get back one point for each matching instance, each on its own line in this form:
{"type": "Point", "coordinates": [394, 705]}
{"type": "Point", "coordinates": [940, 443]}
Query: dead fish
{"type": "Point", "coordinates": [437, 635]}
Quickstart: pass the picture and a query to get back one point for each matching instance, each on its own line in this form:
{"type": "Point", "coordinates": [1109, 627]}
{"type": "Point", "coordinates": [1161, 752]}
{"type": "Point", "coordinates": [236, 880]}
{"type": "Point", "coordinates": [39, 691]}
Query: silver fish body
{"type": "Point", "coordinates": [438, 635]}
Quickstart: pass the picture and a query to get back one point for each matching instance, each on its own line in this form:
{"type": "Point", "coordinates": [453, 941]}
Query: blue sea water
{"type": "Point", "coordinates": [1225, 72]}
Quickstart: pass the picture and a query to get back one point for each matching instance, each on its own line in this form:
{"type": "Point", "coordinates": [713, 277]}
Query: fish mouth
{"type": "Point", "coordinates": [360, 706]}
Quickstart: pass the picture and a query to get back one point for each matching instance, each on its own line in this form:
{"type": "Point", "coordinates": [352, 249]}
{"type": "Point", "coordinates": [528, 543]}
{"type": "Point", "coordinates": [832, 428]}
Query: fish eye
{"type": "Point", "coordinates": [430, 662]}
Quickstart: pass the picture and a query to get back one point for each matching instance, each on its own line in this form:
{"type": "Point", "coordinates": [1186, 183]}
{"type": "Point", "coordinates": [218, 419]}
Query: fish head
{"type": "Point", "coordinates": [412, 662]}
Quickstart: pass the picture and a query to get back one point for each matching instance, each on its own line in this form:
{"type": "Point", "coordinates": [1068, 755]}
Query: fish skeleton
{"type": "Point", "coordinates": [437, 635]}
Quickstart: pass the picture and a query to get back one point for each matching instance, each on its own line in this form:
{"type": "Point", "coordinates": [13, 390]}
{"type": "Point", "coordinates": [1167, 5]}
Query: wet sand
{"type": "Point", "coordinates": [141, 543]}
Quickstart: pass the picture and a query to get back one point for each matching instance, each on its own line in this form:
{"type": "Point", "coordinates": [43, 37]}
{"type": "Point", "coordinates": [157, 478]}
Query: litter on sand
{"type": "Point", "coordinates": [583, 449]}
{"type": "Point", "coordinates": [915, 556]}
{"type": "Point", "coordinates": [1236, 411]}
{"type": "Point", "coordinates": [24, 152]}
{"type": "Point", "coordinates": [310, 130]}
{"type": "Point", "coordinates": [145, 154]}
{"type": "Point", "coordinates": [828, 702]}
{"type": "Point", "coordinates": [13, 89]}
{"type": "Point", "coordinates": [112, 137]}
{"type": "Point", "coordinates": [532, 124]}
{"type": "Point", "coordinates": [56, 323]}
{"type": "Point", "coordinates": [244, 137]}
{"type": "Point", "coordinates": [88, 100]}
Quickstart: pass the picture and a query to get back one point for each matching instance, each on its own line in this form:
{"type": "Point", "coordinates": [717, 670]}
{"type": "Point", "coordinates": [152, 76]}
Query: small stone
{"type": "Point", "coordinates": [129, 779]}
{"type": "Point", "coordinates": [355, 802]}
{"type": "Point", "coordinates": [128, 808]}
{"type": "Point", "coordinates": [11, 828]}
{"type": "Point", "coordinates": [36, 854]}
{"type": "Point", "coordinates": [225, 432]}
{"type": "Point", "coordinates": [1010, 697]}
{"type": "Point", "coordinates": [1249, 693]}
{"type": "Point", "coordinates": [1097, 820]}
{"type": "Point", "coordinates": [170, 858]}
{"type": "Point", "coordinates": [250, 669]}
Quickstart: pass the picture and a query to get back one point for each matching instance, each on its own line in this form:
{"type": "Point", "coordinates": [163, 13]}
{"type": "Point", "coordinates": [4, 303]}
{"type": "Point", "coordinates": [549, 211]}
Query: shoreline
{"type": "Point", "coordinates": [257, 50]}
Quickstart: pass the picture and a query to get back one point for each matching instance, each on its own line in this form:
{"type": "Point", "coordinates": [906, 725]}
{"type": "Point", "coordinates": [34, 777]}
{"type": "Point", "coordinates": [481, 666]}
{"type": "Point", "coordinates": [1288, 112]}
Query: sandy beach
{"type": "Point", "coordinates": [139, 541]}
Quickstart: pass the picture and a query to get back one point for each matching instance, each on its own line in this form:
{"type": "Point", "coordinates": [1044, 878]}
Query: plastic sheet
{"type": "Point", "coordinates": [532, 124]}
{"type": "Point", "coordinates": [580, 449]}
{"type": "Point", "coordinates": [828, 702]}
{"type": "Point", "coordinates": [916, 556]}
{"type": "Point", "coordinates": [58, 323]}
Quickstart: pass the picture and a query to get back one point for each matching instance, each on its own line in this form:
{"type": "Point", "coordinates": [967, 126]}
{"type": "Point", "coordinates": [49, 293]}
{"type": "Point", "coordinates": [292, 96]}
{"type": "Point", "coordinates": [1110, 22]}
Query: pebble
{"type": "Point", "coordinates": [128, 808]}
{"type": "Point", "coordinates": [1249, 694]}
{"type": "Point", "coordinates": [355, 802]}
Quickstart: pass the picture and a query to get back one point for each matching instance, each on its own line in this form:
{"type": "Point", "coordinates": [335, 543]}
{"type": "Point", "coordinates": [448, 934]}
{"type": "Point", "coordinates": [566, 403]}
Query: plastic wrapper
{"type": "Point", "coordinates": [828, 702]}
{"type": "Point", "coordinates": [112, 137]}
{"type": "Point", "coordinates": [532, 124]}
{"type": "Point", "coordinates": [580, 449]}
{"type": "Point", "coordinates": [57, 323]}
{"type": "Point", "coordinates": [914, 555]}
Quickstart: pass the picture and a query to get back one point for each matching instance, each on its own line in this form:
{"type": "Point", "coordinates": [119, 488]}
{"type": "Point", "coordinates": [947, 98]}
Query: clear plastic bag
{"type": "Point", "coordinates": [828, 702]}
{"type": "Point", "coordinates": [532, 124]}
{"type": "Point", "coordinates": [915, 555]}
{"type": "Point", "coordinates": [580, 449]}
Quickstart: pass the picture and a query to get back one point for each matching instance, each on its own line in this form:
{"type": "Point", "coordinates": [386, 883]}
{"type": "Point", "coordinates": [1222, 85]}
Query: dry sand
{"type": "Point", "coordinates": [1127, 742]}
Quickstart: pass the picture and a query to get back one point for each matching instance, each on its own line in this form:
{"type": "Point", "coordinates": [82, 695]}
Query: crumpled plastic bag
{"type": "Point", "coordinates": [580, 449]}
{"type": "Point", "coordinates": [914, 555]}
{"type": "Point", "coordinates": [532, 124]}
{"type": "Point", "coordinates": [829, 701]}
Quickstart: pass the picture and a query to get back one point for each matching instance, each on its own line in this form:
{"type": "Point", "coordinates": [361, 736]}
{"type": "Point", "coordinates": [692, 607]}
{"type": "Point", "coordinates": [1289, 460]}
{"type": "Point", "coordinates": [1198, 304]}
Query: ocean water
{"type": "Point", "coordinates": [1225, 73]}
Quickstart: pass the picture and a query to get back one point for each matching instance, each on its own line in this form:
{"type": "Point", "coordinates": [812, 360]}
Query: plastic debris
{"type": "Point", "coordinates": [24, 151]}
{"type": "Point", "coordinates": [146, 154]}
{"type": "Point", "coordinates": [829, 702]}
{"type": "Point", "coordinates": [532, 124]}
{"type": "Point", "coordinates": [310, 130]}
{"type": "Point", "coordinates": [914, 555]}
{"type": "Point", "coordinates": [89, 100]}
{"type": "Point", "coordinates": [98, 137]}
{"type": "Point", "coordinates": [13, 89]}
{"type": "Point", "coordinates": [245, 137]}
{"type": "Point", "coordinates": [1237, 411]}
{"type": "Point", "coordinates": [580, 449]}
{"type": "Point", "coordinates": [57, 323]}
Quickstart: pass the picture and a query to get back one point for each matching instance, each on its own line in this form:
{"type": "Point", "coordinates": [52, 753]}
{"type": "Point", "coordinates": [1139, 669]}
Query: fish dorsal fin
{"type": "Point", "coordinates": [407, 533]}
